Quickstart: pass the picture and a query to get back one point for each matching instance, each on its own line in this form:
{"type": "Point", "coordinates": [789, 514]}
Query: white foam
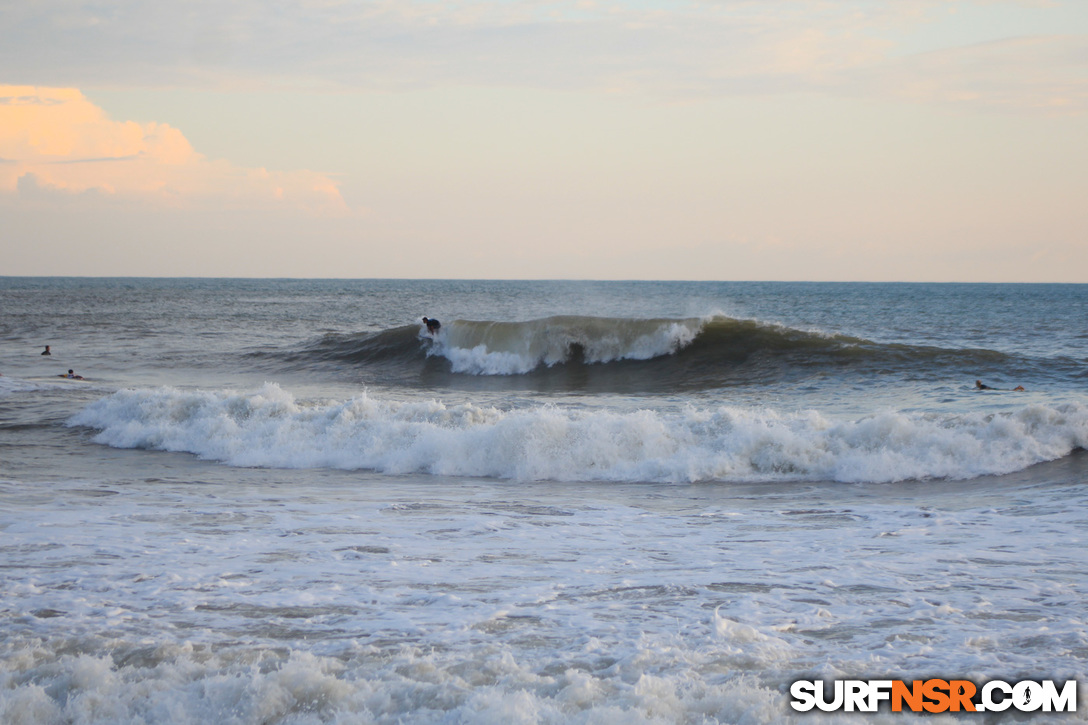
{"type": "Point", "coordinates": [10, 385]}
{"type": "Point", "coordinates": [269, 427]}
{"type": "Point", "coordinates": [349, 598]}
{"type": "Point", "coordinates": [181, 686]}
{"type": "Point", "coordinates": [518, 348]}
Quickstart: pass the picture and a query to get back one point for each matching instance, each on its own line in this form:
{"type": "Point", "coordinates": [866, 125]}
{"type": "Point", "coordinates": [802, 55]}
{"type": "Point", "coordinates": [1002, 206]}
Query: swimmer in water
{"type": "Point", "coordinates": [979, 385]}
{"type": "Point", "coordinates": [47, 351]}
{"type": "Point", "coordinates": [432, 324]}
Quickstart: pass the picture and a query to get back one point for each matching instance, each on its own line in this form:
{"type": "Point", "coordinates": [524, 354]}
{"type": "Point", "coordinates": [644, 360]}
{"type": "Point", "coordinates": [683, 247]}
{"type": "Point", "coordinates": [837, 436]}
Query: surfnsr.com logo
{"type": "Point", "coordinates": [935, 696]}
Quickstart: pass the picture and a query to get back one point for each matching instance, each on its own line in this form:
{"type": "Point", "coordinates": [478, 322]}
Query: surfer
{"type": "Point", "coordinates": [979, 385]}
{"type": "Point", "coordinates": [71, 375]}
{"type": "Point", "coordinates": [432, 324]}
{"type": "Point", "coordinates": [47, 351]}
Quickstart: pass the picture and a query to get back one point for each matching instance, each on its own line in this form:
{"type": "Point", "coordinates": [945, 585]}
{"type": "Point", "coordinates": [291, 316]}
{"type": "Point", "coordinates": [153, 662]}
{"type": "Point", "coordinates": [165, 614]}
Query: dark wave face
{"type": "Point", "coordinates": [397, 345]}
{"type": "Point", "coordinates": [595, 354]}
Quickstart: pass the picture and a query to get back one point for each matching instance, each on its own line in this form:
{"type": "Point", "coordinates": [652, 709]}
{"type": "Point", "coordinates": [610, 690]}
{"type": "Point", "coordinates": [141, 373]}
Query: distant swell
{"type": "Point", "coordinates": [270, 428]}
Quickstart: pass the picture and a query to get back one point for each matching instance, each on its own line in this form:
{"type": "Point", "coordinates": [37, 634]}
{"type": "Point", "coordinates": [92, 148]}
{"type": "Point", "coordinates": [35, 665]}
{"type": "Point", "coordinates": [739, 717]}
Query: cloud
{"type": "Point", "coordinates": [689, 49]}
{"type": "Point", "coordinates": [54, 139]}
{"type": "Point", "coordinates": [399, 44]}
{"type": "Point", "coordinates": [1045, 73]}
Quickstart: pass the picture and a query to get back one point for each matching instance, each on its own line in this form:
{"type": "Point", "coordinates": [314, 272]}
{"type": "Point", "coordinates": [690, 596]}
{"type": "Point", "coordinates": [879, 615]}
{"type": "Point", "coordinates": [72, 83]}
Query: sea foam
{"type": "Point", "coordinates": [270, 428]}
{"type": "Point", "coordinates": [9, 386]}
{"type": "Point", "coordinates": [506, 348]}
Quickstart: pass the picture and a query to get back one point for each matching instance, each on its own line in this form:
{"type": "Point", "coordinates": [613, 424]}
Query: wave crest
{"type": "Point", "coordinates": [516, 348]}
{"type": "Point", "coordinates": [270, 428]}
{"type": "Point", "coordinates": [639, 355]}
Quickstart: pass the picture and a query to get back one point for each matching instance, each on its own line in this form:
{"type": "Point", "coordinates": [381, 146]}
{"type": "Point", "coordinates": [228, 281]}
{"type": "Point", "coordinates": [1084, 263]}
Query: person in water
{"type": "Point", "coordinates": [979, 385]}
{"type": "Point", "coordinates": [72, 376]}
{"type": "Point", "coordinates": [47, 351]}
{"type": "Point", "coordinates": [432, 324]}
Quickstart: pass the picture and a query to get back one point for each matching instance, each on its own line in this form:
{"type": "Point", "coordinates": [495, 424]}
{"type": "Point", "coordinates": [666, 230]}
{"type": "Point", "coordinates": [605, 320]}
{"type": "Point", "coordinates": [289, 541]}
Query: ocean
{"type": "Point", "coordinates": [283, 501]}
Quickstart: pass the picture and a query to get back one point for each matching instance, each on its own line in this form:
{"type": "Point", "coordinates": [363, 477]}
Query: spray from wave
{"type": "Point", "coordinates": [270, 428]}
{"type": "Point", "coordinates": [516, 348]}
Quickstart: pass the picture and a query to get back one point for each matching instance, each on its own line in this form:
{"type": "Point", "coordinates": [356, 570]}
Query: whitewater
{"type": "Point", "coordinates": [285, 501]}
{"type": "Point", "coordinates": [268, 427]}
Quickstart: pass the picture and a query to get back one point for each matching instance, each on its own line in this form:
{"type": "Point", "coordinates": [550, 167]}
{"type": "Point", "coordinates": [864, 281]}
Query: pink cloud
{"type": "Point", "coordinates": [58, 140]}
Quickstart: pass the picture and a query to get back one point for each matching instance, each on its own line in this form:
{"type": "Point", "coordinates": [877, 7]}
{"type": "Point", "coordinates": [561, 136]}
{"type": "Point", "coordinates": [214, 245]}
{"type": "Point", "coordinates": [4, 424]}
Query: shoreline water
{"type": "Point", "coordinates": [433, 590]}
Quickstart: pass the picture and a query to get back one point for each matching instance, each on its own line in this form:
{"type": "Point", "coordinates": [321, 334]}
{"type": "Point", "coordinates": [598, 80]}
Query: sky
{"type": "Point", "coordinates": [875, 140]}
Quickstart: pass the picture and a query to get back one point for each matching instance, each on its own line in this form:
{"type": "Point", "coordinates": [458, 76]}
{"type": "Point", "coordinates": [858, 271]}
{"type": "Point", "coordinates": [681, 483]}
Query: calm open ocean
{"type": "Point", "coordinates": [281, 501]}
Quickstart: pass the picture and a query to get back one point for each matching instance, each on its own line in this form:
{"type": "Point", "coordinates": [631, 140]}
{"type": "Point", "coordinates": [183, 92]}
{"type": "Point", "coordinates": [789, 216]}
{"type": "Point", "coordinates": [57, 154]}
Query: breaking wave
{"type": "Point", "coordinates": [638, 355]}
{"type": "Point", "coordinates": [270, 428]}
{"type": "Point", "coordinates": [512, 348]}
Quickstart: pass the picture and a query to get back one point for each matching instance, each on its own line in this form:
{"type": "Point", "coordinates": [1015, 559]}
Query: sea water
{"type": "Point", "coordinates": [284, 501]}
